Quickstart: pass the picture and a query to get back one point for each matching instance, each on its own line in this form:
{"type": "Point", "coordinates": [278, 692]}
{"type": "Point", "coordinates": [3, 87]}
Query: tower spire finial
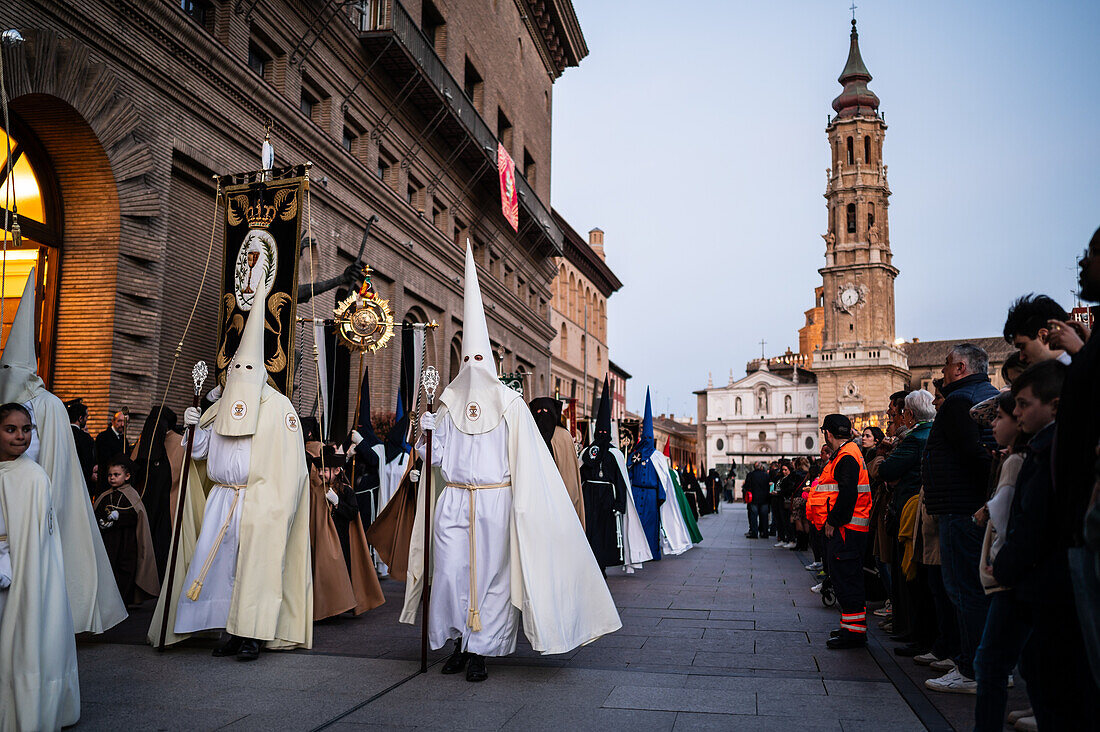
{"type": "Point", "coordinates": [853, 9]}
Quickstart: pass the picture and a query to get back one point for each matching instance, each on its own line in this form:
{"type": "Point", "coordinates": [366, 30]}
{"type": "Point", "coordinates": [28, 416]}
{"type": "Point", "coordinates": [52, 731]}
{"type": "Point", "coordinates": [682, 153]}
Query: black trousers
{"type": "Point", "coordinates": [947, 626]}
{"type": "Point", "coordinates": [845, 567]}
{"type": "Point", "coordinates": [1059, 684]}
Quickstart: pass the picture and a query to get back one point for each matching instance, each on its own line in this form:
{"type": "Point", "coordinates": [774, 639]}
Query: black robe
{"type": "Point", "coordinates": [604, 491]}
{"type": "Point", "coordinates": [367, 480]}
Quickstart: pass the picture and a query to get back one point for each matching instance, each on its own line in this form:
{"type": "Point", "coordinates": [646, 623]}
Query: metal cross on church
{"type": "Point", "coordinates": [762, 344]}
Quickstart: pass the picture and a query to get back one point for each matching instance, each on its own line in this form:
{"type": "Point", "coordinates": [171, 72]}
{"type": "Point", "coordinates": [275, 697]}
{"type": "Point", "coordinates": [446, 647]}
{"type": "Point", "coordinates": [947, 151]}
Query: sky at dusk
{"type": "Point", "coordinates": [693, 135]}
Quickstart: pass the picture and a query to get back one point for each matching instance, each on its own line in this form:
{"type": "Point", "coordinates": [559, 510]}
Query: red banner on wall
{"type": "Point", "coordinates": [509, 202]}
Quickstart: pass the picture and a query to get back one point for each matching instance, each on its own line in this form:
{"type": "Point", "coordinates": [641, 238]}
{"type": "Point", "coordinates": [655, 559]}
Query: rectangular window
{"type": "Point", "coordinates": [307, 104]}
{"type": "Point", "coordinates": [504, 130]}
{"type": "Point", "coordinates": [460, 232]}
{"type": "Point", "coordinates": [528, 167]}
{"type": "Point", "coordinates": [200, 11]}
{"type": "Point", "coordinates": [347, 139]}
{"type": "Point", "coordinates": [386, 169]}
{"type": "Point", "coordinates": [258, 60]}
{"type": "Point", "coordinates": [439, 216]}
{"type": "Point", "coordinates": [473, 85]}
{"type": "Point", "coordinates": [434, 27]}
{"type": "Point", "coordinates": [414, 194]}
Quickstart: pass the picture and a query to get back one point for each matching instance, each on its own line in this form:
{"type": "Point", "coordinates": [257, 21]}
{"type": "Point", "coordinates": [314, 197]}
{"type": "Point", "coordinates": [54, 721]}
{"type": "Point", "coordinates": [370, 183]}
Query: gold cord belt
{"type": "Point", "coordinates": [196, 586]}
{"type": "Point", "coordinates": [3, 537]}
{"type": "Point", "coordinates": [473, 617]}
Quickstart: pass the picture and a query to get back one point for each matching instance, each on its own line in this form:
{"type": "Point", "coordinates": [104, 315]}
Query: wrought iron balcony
{"type": "Point", "coordinates": [398, 47]}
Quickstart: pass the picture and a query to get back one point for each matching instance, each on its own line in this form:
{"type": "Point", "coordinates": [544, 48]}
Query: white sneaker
{"type": "Point", "coordinates": [926, 659]}
{"type": "Point", "coordinates": [780, 544]}
{"type": "Point", "coordinates": [816, 589]}
{"type": "Point", "coordinates": [1026, 724]}
{"type": "Point", "coordinates": [1019, 714]}
{"type": "Point", "coordinates": [953, 682]}
{"type": "Point", "coordinates": [944, 664]}
{"type": "Point", "coordinates": [790, 545]}
{"type": "Point", "coordinates": [815, 567]}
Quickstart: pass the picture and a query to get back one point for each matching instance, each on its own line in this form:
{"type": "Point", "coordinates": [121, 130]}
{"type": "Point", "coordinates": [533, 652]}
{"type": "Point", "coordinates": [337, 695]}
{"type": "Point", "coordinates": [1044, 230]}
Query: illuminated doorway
{"type": "Point", "coordinates": [31, 188]}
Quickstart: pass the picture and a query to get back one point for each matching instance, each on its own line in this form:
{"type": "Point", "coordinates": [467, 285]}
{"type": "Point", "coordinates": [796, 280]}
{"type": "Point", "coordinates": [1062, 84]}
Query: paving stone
{"type": "Point", "coordinates": [690, 721]}
{"type": "Point", "coordinates": [681, 700]}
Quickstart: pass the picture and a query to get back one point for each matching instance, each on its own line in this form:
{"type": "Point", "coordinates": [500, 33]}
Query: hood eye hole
{"type": "Point", "coordinates": [479, 357]}
{"type": "Point", "coordinates": [464, 359]}
{"type": "Point", "coordinates": [237, 366]}
{"type": "Point", "coordinates": [249, 367]}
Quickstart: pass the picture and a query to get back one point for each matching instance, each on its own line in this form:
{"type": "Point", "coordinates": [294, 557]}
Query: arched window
{"type": "Point", "coordinates": [455, 358]}
{"type": "Point", "coordinates": [851, 218]}
{"type": "Point", "coordinates": [867, 149]}
{"type": "Point", "coordinates": [34, 190]}
{"type": "Point", "coordinates": [564, 342]}
{"type": "Point", "coordinates": [851, 152]}
{"type": "Point", "coordinates": [870, 215]}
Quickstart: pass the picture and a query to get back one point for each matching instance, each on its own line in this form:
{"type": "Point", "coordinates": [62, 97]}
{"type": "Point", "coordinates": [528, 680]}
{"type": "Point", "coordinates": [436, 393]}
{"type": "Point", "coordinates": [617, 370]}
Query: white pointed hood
{"type": "Point", "coordinates": [476, 399]}
{"type": "Point", "coordinates": [239, 407]}
{"type": "Point", "coordinates": [19, 380]}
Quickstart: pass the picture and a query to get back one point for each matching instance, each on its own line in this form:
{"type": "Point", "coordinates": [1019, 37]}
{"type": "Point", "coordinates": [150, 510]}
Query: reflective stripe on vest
{"type": "Point", "coordinates": [861, 513]}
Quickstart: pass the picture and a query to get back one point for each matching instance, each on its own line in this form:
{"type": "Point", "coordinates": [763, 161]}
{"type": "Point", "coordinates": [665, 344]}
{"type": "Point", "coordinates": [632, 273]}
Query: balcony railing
{"type": "Point", "coordinates": [385, 19]}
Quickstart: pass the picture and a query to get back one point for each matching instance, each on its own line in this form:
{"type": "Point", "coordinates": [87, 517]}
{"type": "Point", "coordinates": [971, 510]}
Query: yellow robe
{"type": "Point", "coordinates": [273, 590]}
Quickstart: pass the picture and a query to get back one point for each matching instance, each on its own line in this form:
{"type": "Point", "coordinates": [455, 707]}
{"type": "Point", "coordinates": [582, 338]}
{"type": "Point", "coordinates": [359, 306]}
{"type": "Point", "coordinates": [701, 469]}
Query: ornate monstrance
{"type": "Point", "coordinates": [364, 321]}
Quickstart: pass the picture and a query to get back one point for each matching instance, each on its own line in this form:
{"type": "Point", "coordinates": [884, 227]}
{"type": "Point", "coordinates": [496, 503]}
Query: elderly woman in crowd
{"type": "Point", "coordinates": [902, 468]}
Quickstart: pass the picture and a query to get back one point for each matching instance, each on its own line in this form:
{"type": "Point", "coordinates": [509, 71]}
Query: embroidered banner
{"type": "Point", "coordinates": [262, 241]}
{"type": "Point", "coordinates": [509, 201]}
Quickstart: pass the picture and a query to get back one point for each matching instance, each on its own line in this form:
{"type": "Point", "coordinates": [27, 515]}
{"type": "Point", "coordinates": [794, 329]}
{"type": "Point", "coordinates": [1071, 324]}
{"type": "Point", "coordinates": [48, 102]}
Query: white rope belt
{"type": "Point", "coordinates": [196, 586]}
{"type": "Point", "coordinates": [473, 617]}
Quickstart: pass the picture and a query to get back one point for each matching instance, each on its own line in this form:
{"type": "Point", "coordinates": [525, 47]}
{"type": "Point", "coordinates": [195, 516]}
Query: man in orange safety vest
{"type": "Point", "coordinates": [846, 526]}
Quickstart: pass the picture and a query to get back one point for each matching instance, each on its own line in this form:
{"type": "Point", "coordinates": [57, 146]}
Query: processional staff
{"type": "Point", "coordinates": [430, 380]}
{"type": "Point", "coordinates": [198, 374]}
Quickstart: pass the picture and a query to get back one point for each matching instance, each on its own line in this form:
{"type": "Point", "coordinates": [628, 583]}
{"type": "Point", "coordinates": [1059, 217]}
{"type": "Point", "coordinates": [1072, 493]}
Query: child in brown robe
{"type": "Point", "coordinates": [126, 536]}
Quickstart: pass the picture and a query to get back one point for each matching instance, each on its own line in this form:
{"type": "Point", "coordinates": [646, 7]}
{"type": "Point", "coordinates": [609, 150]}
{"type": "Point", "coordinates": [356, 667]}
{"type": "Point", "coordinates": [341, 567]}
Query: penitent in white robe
{"type": "Point", "coordinates": [675, 538]}
{"type": "Point", "coordinates": [473, 460]}
{"type": "Point", "coordinates": [39, 685]}
{"type": "Point", "coordinates": [227, 463]}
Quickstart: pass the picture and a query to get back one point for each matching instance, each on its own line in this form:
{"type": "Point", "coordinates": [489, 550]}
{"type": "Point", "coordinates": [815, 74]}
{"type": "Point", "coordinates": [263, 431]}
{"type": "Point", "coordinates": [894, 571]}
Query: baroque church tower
{"type": "Point", "coordinates": [858, 365]}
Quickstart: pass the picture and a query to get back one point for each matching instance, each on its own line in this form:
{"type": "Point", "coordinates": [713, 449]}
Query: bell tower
{"type": "Point", "coordinates": [858, 366]}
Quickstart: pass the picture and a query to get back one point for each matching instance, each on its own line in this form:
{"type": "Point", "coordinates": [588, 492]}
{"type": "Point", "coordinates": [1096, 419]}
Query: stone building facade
{"type": "Point", "coordinates": [858, 364]}
{"type": "Point", "coordinates": [126, 108]}
{"type": "Point", "coordinates": [769, 413]}
{"type": "Point", "coordinates": [579, 357]}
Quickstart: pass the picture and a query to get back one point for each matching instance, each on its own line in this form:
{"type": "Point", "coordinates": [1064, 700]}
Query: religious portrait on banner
{"type": "Point", "coordinates": [262, 245]}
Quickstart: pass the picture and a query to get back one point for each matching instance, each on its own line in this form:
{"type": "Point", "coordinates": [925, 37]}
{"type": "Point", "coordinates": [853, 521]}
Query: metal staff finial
{"type": "Point", "coordinates": [430, 380]}
{"type": "Point", "coordinates": [199, 374]}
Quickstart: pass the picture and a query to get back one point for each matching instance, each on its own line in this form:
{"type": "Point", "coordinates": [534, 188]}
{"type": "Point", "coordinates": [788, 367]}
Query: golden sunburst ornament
{"type": "Point", "coordinates": [364, 320]}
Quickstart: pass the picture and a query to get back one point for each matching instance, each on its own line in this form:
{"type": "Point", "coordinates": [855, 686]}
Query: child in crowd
{"type": "Point", "coordinates": [1034, 563]}
{"type": "Point", "coordinates": [126, 535]}
{"type": "Point", "coordinates": [39, 688]}
{"type": "Point", "coordinates": [1005, 632]}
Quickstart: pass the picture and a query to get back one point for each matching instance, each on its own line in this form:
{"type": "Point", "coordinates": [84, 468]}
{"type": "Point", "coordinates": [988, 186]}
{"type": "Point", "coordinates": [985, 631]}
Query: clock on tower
{"type": "Point", "coordinates": [858, 366]}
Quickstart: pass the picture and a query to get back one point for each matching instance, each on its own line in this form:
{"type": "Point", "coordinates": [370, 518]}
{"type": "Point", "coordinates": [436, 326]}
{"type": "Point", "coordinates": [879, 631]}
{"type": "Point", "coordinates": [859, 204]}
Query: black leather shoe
{"type": "Point", "coordinates": [834, 633]}
{"type": "Point", "coordinates": [750, 535]}
{"type": "Point", "coordinates": [457, 661]}
{"type": "Point", "coordinates": [476, 671]}
{"type": "Point", "coordinates": [847, 640]}
{"type": "Point", "coordinates": [250, 650]}
{"type": "Point", "coordinates": [229, 648]}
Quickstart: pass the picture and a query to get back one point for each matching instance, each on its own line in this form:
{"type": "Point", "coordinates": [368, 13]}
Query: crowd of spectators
{"type": "Point", "coordinates": [985, 525]}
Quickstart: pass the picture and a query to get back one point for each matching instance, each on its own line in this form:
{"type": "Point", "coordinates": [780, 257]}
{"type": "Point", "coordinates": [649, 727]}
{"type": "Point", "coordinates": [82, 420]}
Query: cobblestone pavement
{"type": "Point", "coordinates": [726, 636]}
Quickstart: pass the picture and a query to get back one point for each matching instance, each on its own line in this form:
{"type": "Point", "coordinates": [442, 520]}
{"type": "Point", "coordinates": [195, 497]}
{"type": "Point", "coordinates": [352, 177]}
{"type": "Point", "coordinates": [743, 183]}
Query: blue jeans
{"type": "Point", "coordinates": [1006, 631]}
{"type": "Point", "coordinates": [960, 550]}
{"type": "Point", "coordinates": [758, 515]}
